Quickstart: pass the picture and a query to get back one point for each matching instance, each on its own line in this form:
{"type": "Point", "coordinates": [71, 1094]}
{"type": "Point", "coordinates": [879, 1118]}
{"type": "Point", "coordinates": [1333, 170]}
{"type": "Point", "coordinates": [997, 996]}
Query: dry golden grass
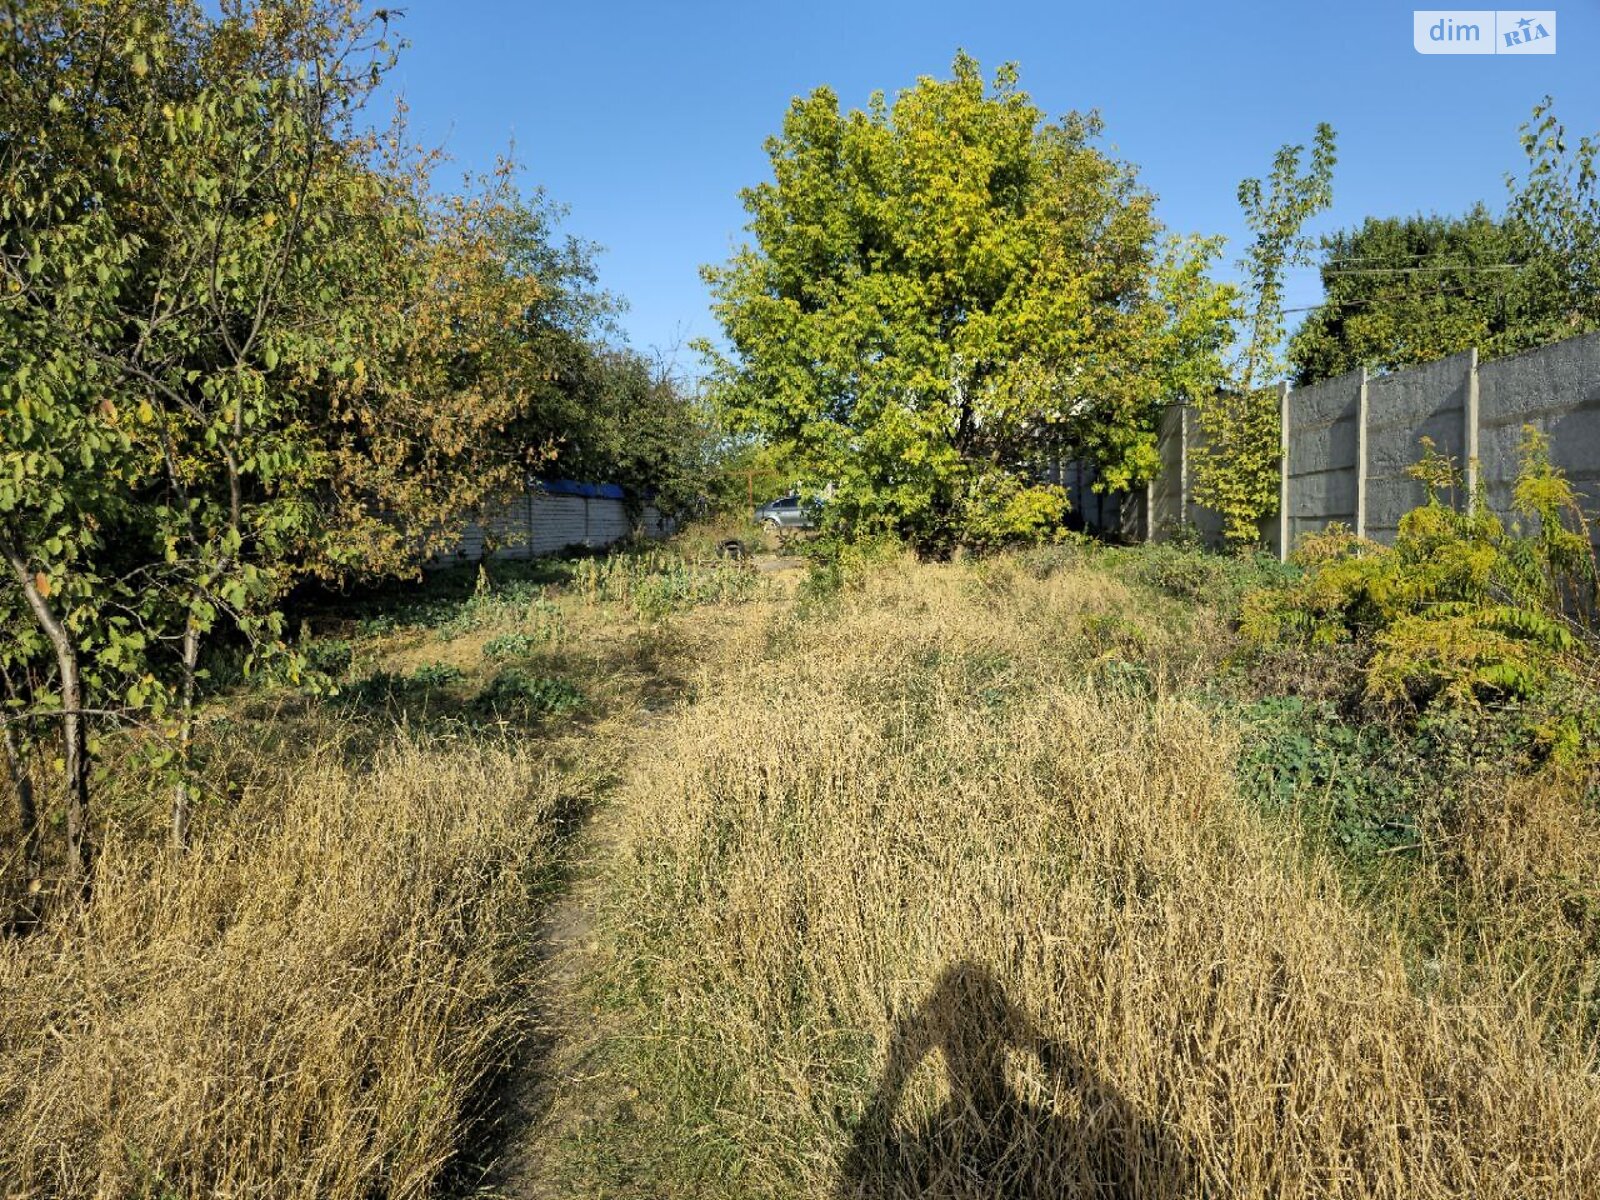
{"type": "Point", "coordinates": [942, 888]}
{"type": "Point", "coordinates": [304, 1006]}
{"type": "Point", "coordinates": [932, 896]}
{"type": "Point", "coordinates": [310, 1003]}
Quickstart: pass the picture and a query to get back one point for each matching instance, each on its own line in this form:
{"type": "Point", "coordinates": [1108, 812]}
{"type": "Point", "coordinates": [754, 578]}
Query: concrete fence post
{"type": "Point", "coordinates": [1470, 432]}
{"type": "Point", "coordinates": [1283, 471]}
{"type": "Point", "coordinates": [1362, 411]}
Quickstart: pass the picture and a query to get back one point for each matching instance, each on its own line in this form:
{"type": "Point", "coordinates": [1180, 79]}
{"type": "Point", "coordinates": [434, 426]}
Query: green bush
{"type": "Point", "coordinates": [386, 689]}
{"type": "Point", "coordinates": [519, 644]}
{"type": "Point", "coordinates": [516, 692]}
{"type": "Point", "coordinates": [837, 561]}
{"type": "Point", "coordinates": [1356, 784]}
{"type": "Point", "coordinates": [1458, 613]}
{"type": "Point", "coordinates": [332, 657]}
{"type": "Point", "coordinates": [998, 509]}
{"type": "Point", "coordinates": [433, 677]}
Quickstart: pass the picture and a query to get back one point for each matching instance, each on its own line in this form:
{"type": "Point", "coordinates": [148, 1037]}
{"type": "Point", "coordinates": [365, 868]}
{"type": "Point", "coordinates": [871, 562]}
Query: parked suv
{"type": "Point", "coordinates": [787, 512]}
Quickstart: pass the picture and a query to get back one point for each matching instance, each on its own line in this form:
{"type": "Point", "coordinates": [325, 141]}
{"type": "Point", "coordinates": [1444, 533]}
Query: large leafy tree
{"type": "Point", "coordinates": [72, 468]}
{"type": "Point", "coordinates": [181, 190]}
{"type": "Point", "coordinates": [1403, 290]}
{"type": "Point", "coordinates": [479, 321]}
{"type": "Point", "coordinates": [242, 338]}
{"type": "Point", "coordinates": [644, 428]}
{"type": "Point", "coordinates": [1556, 207]}
{"type": "Point", "coordinates": [1400, 291]}
{"type": "Point", "coordinates": [947, 291]}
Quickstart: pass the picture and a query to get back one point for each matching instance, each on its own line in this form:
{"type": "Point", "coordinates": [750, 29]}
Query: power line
{"type": "Point", "coordinates": [1453, 291]}
{"type": "Point", "coordinates": [1360, 258]}
{"type": "Point", "coordinates": [1426, 270]}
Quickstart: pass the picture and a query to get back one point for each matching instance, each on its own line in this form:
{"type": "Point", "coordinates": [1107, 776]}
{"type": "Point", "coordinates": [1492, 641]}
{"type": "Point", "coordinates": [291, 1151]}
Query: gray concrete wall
{"type": "Point", "coordinates": [1170, 497]}
{"type": "Point", "coordinates": [1557, 390]}
{"type": "Point", "coordinates": [1324, 441]}
{"type": "Point", "coordinates": [1167, 491]}
{"type": "Point", "coordinates": [1473, 412]}
{"type": "Point", "coordinates": [1403, 408]}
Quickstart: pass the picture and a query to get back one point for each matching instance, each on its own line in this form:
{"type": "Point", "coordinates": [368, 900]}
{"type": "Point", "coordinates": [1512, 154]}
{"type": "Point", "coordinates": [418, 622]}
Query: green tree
{"type": "Point", "coordinates": [244, 190]}
{"type": "Point", "coordinates": [233, 331]}
{"type": "Point", "coordinates": [1399, 291]}
{"type": "Point", "coordinates": [644, 429]}
{"type": "Point", "coordinates": [1556, 208]}
{"type": "Point", "coordinates": [71, 471]}
{"type": "Point", "coordinates": [478, 330]}
{"type": "Point", "coordinates": [1236, 471]}
{"type": "Point", "coordinates": [947, 292]}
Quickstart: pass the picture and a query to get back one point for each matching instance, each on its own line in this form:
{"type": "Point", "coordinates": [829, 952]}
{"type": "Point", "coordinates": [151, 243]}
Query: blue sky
{"type": "Point", "coordinates": [646, 119]}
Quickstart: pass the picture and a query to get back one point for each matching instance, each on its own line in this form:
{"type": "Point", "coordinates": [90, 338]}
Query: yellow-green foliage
{"type": "Point", "coordinates": [1458, 610]}
{"type": "Point", "coordinates": [1236, 464]}
{"type": "Point", "coordinates": [999, 509]}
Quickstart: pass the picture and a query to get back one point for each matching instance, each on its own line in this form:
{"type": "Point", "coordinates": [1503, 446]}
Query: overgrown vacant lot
{"type": "Point", "coordinates": [950, 888]}
{"type": "Point", "coordinates": [316, 999]}
{"type": "Point", "coordinates": [1008, 877]}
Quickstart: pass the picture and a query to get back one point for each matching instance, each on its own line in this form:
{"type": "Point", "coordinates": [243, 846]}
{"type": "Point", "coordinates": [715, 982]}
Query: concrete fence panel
{"type": "Point", "coordinates": [1556, 389]}
{"type": "Point", "coordinates": [608, 522]}
{"type": "Point", "coordinates": [1350, 443]}
{"type": "Point", "coordinates": [1353, 440]}
{"type": "Point", "coordinates": [1168, 492]}
{"type": "Point", "coordinates": [1324, 441]}
{"type": "Point", "coordinates": [1403, 408]}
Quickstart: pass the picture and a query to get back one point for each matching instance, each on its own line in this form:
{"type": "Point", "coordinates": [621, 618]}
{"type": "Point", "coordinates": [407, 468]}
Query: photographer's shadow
{"type": "Point", "coordinates": [987, 1140]}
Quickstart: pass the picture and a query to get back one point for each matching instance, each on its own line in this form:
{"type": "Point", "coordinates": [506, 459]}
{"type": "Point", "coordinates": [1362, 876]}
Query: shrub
{"type": "Point", "coordinates": [510, 645]}
{"type": "Point", "coordinates": [1001, 510]}
{"type": "Point", "coordinates": [433, 676]}
{"type": "Point", "coordinates": [516, 692]}
{"type": "Point", "coordinates": [838, 561]}
{"type": "Point", "coordinates": [331, 658]}
{"type": "Point", "coordinates": [386, 689]}
{"type": "Point", "coordinates": [1191, 572]}
{"type": "Point", "coordinates": [1357, 783]}
{"type": "Point", "coordinates": [1458, 612]}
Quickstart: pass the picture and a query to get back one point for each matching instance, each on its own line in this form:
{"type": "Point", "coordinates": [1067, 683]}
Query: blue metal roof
{"type": "Point", "coordinates": [571, 487]}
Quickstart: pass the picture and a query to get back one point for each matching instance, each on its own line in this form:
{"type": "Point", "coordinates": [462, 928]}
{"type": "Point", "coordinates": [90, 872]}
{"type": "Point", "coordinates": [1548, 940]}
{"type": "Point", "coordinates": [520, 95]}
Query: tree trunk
{"type": "Point", "coordinates": [27, 814]}
{"type": "Point", "coordinates": [181, 795]}
{"type": "Point", "coordinates": [74, 723]}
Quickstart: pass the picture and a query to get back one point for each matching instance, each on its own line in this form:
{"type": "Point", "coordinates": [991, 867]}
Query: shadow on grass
{"type": "Point", "coordinates": [988, 1141]}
